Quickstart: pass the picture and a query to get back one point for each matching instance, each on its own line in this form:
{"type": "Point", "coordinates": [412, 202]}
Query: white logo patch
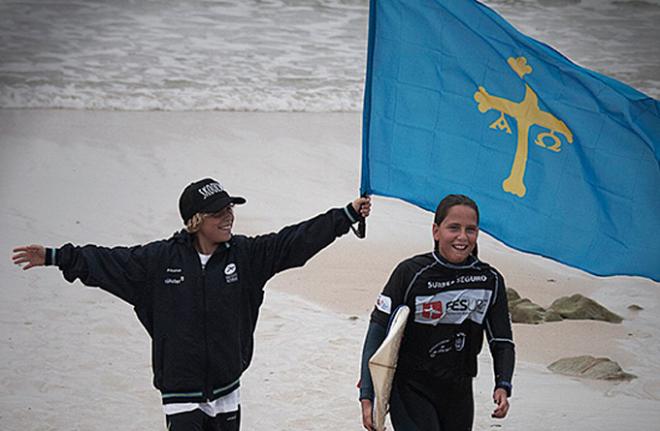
{"type": "Point", "coordinates": [231, 276]}
{"type": "Point", "coordinates": [384, 303]}
{"type": "Point", "coordinates": [452, 307]}
{"type": "Point", "coordinates": [230, 269]}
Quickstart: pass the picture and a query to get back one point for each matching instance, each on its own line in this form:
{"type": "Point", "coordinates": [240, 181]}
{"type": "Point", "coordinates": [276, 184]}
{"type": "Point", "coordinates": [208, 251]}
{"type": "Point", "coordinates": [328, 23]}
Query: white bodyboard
{"type": "Point", "coordinates": [382, 365]}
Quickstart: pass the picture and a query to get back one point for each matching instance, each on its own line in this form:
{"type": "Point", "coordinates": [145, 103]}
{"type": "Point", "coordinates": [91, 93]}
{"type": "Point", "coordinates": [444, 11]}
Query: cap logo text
{"type": "Point", "coordinates": [210, 189]}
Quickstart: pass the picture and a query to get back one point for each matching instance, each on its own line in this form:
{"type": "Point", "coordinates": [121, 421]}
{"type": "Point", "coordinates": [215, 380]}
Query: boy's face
{"type": "Point", "coordinates": [216, 227]}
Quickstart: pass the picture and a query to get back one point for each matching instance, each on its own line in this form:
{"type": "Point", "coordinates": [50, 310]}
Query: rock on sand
{"type": "Point", "coordinates": [580, 307]}
{"type": "Point", "coordinates": [591, 368]}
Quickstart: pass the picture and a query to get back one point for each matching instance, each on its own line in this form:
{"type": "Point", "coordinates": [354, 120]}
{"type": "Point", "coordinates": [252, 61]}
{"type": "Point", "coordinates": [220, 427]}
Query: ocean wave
{"type": "Point", "coordinates": [275, 55]}
{"type": "Point", "coordinates": [235, 99]}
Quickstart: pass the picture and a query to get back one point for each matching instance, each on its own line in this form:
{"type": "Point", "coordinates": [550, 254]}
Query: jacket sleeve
{"type": "Point", "coordinates": [294, 245]}
{"type": "Point", "coordinates": [500, 337]}
{"type": "Point", "coordinates": [121, 271]}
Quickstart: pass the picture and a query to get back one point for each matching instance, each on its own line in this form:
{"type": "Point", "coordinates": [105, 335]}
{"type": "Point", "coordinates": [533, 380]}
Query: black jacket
{"type": "Point", "coordinates": [201, 321]}
{"type": "Point", "coordinates": [451, 308]}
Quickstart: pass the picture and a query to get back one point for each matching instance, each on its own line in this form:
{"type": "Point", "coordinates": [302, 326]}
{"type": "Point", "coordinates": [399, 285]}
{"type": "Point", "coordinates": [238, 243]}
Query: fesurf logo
{"type": "Point", "coordinates": [452, 307]}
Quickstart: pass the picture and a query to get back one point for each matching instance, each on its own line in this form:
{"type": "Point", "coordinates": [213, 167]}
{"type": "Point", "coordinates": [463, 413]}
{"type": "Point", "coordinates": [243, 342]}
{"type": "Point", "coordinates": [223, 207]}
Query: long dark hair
{"type": "Point", "coordinates": [451, 201]}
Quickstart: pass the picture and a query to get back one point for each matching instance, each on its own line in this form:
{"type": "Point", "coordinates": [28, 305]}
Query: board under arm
{"type": "Point", "coordinates": [374, 338]}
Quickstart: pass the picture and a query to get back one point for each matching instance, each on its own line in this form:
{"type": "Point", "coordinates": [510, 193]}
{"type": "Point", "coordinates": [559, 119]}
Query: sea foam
{"type": "Point", "coordinates": [277, 55]}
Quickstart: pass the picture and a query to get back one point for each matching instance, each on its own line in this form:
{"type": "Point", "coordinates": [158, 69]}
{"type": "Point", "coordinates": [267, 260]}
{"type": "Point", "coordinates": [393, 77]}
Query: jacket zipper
{"type": "Point", "coordinates": [207, 390]}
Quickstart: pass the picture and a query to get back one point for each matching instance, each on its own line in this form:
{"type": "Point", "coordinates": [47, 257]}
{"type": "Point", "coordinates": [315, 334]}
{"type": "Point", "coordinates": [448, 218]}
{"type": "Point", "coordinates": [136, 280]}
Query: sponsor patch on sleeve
{"type": "Point", "coordinates": [384, 303]}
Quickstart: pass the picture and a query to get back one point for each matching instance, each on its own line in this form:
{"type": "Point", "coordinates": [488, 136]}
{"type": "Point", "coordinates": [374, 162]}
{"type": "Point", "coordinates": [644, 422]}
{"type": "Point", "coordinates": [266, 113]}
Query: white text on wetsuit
{"type": "Point", "coordinates": [463, 279]}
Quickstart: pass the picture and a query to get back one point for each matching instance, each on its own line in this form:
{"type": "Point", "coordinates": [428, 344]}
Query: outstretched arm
{"type": "Point", "coordinates": [294, 245]}
{"type": "Point", "coordinates": [121, 271]}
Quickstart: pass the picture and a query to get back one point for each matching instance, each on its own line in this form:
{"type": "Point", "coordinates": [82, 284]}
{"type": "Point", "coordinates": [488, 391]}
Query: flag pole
{"type": "Point", "coordinates": [362, 225]}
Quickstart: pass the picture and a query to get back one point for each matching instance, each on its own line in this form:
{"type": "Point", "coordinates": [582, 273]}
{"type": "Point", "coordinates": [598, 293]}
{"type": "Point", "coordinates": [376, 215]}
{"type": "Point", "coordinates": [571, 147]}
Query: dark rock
{"type": "Point", "coordinates": [552, 316]}
{"type": "Point", "coordinates": [525, 311]}
{"type": "Point", "coordinates": [580, 307]}
{"type": "Point", "coordinates": [590, 368]}
{"type": "Point", "coordinates": [511, 294]}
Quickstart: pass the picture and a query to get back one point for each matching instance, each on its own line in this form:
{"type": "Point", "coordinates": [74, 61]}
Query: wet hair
{"type": "Point", "coordinates": [450, 201]}
{"type": "Point", "coordinates": [195, 222]}
{"type": "Point", "coordinates": [446, 204]}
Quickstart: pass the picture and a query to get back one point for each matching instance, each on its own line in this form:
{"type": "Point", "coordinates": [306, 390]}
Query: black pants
{"type": "Point", "coordinates": [197, 420]}
{"type": "Point", "coordinates": [427, 404]}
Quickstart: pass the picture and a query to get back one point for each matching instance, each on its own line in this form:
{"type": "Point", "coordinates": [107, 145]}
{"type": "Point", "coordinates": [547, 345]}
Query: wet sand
{"type": "Point", "coordinates": [77, 358]}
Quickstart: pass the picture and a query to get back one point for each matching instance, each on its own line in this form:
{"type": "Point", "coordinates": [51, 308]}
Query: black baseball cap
{"type": "Point", "coordinates": [205, 196]}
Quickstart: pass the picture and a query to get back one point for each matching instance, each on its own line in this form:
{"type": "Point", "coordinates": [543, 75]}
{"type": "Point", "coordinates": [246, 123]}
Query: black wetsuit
{"type": "Point", "coordinates": [451, 308]}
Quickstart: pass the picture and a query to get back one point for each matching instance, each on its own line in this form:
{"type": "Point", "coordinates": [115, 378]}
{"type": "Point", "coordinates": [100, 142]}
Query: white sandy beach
{"type": "Point", "coordinates": [75, 358]}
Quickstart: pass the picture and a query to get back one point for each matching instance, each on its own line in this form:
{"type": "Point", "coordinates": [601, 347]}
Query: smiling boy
{"type": "Point", "coordinates": [198, 295]}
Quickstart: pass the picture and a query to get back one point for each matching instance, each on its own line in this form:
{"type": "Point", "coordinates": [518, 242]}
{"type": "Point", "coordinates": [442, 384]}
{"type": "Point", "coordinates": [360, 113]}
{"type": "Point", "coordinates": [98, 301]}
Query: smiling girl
{"type": "Point", "coordinates": [454, 298]}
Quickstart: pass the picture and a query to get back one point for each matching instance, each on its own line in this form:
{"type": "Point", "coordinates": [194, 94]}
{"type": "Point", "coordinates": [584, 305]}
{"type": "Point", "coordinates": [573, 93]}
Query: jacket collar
{"type": "Point", "coordinates": [468, 263]}
{"type": "Point", "coordinates": [184, 237]}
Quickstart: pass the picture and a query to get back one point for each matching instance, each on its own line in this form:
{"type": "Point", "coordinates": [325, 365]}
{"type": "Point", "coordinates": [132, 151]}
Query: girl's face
{"type": "Point", "coordinates": [457, 233]}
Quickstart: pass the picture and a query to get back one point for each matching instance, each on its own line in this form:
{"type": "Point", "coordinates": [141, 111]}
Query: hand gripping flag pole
{"type": "Point", "coordinates": [362, 226]}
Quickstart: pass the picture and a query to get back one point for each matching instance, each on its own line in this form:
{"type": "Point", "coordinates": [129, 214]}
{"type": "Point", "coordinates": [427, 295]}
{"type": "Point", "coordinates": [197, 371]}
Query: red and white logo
{"type": "Point", "coordinates": [432, 310]}
{"type": "Point", "coordinates": [384, 303]}
{"type": "Point", "coordinates": [452, 307]}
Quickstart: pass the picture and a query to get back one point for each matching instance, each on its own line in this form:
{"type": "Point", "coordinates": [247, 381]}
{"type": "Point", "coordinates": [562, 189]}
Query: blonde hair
{"type": "Point", "coordinates": [195, 222]}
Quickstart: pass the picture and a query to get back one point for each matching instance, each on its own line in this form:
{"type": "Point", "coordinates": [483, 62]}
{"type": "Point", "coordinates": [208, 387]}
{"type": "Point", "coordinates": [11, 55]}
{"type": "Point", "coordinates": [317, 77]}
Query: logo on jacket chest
{"type": "Point", "coordinates": [452, 307]}
{"type": "Point", "coordinates": [231, 273]}
{"type": "Point", "coordinates": [454, 343]}
{"type": "Point", "coordinates": [174, 276]}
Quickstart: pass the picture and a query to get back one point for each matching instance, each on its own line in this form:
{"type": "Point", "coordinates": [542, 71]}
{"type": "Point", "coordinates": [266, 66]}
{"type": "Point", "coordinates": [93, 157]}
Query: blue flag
{"type": "Point", "coordinates": [562, 161]}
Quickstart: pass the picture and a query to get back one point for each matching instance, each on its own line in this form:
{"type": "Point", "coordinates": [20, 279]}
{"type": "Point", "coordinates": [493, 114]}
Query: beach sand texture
{"type": "Point", "coordinates": [76, 358]}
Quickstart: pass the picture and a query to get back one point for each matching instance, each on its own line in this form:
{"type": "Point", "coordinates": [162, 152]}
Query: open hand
{"type": "Point", "coordinates": [33, 255]}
